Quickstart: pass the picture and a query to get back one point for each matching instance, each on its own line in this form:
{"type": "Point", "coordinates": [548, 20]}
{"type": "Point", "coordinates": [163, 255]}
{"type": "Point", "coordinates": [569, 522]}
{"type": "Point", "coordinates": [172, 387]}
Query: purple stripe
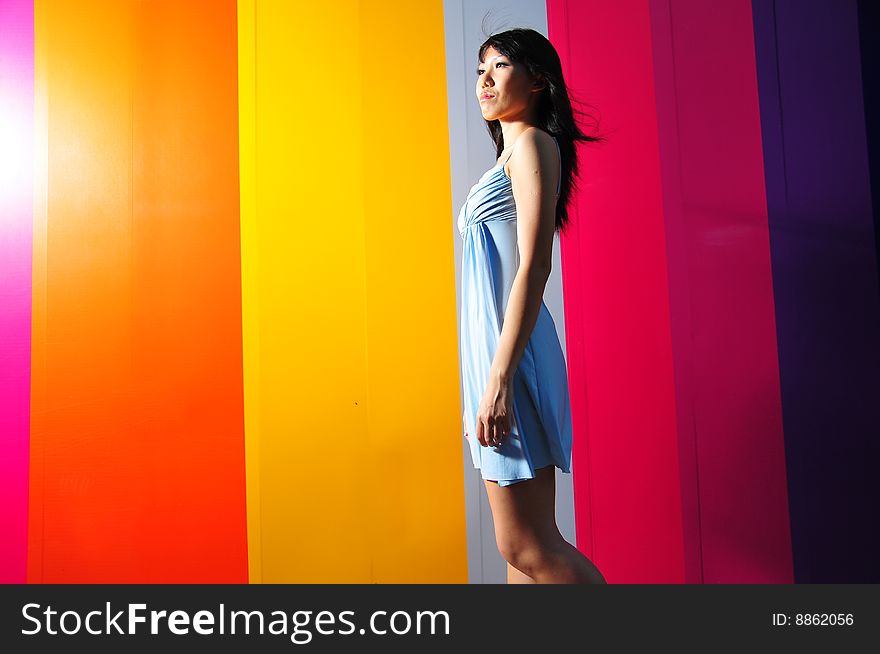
{"type": "Point", "coordinates": [825, 281]}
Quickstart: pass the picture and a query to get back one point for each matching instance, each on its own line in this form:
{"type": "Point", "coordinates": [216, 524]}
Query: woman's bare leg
{"type": "Point", "coordinates": [527, 535]}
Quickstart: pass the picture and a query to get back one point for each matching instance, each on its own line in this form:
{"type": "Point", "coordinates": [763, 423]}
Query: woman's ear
{"type": "Point", "coordinates": [540, 83]}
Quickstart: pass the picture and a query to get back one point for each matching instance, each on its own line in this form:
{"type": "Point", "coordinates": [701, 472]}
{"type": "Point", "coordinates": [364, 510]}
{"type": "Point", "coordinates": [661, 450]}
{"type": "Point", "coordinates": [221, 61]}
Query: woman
{"type": "Point", "coordinates": [516, 407]}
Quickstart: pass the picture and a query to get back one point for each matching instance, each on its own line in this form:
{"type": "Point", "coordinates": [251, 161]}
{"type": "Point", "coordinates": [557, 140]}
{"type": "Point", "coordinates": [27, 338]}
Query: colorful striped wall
{"type": "Point", "coordinates": [229, 276]}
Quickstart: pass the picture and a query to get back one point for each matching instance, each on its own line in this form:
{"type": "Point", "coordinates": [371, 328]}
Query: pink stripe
{"type": "Point", "coordinates": [16, 241]}
{"type": "Point", "coordinates": [680, 310]}
{"type": "Point", "coordinates": [625, 455]}
{"type": "Point", "coordinates": [570, 255]}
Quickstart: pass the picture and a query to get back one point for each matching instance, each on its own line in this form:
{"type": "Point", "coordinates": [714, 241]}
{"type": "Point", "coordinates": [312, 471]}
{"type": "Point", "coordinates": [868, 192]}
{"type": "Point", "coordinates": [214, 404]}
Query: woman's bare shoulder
{"type": "Point", "coordinates": [536, 145]}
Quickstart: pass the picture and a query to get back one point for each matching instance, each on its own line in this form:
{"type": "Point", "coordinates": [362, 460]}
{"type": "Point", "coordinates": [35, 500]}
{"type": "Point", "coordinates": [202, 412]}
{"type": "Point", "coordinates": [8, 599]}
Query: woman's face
{"type": "Point", "coordinates": [502, 86]}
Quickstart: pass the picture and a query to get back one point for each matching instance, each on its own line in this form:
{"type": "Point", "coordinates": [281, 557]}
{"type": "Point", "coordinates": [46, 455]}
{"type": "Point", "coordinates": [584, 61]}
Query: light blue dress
{"type": "Point", "coordinates": [541, 427]}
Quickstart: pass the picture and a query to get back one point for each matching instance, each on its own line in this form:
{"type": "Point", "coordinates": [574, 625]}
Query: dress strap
{"type": "Point", "coordinates": [559, 183]}
{"type": "Point", "coordinates": [510, 155]}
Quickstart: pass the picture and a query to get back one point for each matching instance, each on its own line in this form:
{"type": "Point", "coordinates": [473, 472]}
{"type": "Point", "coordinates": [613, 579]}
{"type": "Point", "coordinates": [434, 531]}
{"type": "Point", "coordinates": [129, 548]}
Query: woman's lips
{"type": "Point", "coordinates": [486, 97]}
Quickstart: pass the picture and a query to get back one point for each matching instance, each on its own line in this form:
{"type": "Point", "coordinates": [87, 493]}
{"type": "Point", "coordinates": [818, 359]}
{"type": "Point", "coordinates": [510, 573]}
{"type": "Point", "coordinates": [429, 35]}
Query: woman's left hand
{"type": "Point", "coordinates": [495, 415]}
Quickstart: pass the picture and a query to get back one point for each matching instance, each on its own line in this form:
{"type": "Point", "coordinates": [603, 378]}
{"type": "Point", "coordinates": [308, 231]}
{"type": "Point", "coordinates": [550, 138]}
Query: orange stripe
{"type": "Point", "coordinates": [137, 422]}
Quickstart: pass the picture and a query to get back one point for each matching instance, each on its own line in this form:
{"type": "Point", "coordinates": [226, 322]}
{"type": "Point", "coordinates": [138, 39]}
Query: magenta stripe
{"type": "Point", "coordinates": [16, 240]}
{"type": "Point", "coordinates": [732, 450]}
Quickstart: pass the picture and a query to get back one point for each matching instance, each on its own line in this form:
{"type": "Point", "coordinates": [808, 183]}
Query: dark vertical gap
{"type": "Point", "coordinates": [770, 98]}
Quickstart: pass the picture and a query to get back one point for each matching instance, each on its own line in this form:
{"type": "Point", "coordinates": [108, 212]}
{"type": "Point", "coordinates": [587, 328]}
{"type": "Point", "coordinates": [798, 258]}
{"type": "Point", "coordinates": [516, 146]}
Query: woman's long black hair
{"type": "Point", "coordinates": [555, 114]}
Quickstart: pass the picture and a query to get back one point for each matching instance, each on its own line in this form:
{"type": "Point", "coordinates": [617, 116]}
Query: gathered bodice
{"type": "Point", "coordinates": [491, 198]}
{"type": "Point", "coordinates": [487, 224]}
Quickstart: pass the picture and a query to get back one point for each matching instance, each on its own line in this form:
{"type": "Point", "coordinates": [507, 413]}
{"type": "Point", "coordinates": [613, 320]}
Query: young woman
{"type": "Point", "coordinates": [517, 417]}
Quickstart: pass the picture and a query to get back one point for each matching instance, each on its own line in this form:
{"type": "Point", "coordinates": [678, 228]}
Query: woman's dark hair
{"type": "Point", "coordinates": [555, 114]}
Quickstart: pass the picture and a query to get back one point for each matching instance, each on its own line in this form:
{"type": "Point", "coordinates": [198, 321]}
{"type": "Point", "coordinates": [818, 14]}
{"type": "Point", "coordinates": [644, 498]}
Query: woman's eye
{"type": "Point", "coordinates": [499, 63]}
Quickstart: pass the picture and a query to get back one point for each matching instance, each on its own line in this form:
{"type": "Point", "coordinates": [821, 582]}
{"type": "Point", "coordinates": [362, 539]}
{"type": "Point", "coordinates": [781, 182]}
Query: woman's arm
{"type": "Point", "coordinates": [533, 172]}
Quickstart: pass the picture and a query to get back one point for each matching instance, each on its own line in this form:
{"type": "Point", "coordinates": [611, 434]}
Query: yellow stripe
{"type": "Point", "coordinates": [415, 414]}
{"type": "Point", "coordinates": [351, 363]}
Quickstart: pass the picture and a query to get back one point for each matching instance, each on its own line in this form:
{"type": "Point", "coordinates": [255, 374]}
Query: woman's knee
{"type": "Point", "coordinates": [518, 551]}
{"type": "Point", "coordinates": [524, 551]}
